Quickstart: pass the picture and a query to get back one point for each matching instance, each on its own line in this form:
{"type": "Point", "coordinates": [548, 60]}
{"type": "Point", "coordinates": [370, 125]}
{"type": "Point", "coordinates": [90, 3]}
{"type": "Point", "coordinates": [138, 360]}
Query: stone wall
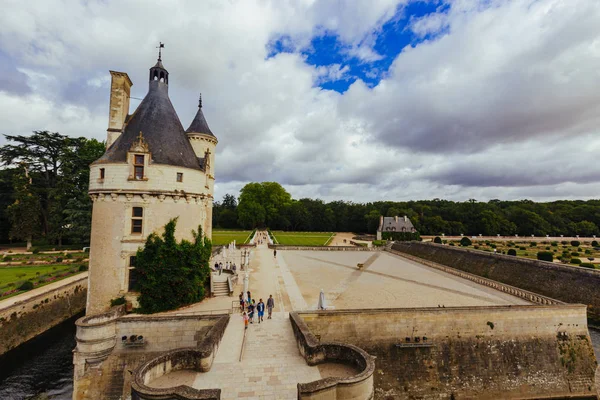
{"type": "Point", "coordinates": [104, 362]}
{"type": "Point", "coordinates": [562, 282]}
{"type": "Point", "coordinates": [502, 352]}
{"type": "Point", "coordinates": [24, 320]}
{"type": "Point", "coordinates": [324, 248]}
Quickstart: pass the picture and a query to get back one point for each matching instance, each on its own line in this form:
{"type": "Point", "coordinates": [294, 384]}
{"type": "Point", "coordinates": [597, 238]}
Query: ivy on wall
{"type": "Point", "coordinates": [172, 274]}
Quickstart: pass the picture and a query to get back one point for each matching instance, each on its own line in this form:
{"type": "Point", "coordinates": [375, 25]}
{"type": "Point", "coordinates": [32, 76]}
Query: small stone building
{"type": "Point", "coordinates": [394, 224]}
{"type": "Point", "coordinates": [153, 170]}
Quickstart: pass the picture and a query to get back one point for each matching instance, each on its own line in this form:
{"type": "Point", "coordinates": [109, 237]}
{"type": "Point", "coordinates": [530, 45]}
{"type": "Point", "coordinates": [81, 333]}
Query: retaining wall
{"type": "Point", "coordinates": [24, 320]}
{"type": "Point", "coordinates": [324, 248]}
{"type": "Point", "coordinates": [502, 352]}
{"type": "Point", "coordinates": [562, 282]}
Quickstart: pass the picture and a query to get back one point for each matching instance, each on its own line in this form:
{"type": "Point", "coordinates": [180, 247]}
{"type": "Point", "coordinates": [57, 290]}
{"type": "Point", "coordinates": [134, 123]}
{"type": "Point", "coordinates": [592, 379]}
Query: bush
{"type": "Point", "coordinates": [465, 241]}
{"type": "Point", "coordinates": [7, 258]}
{"type": "Point", "coordinates": [476, 247]}
{"type": "Point", "coordinates": [588, 251]}
{"type": "Point", "coordinates": [564, 242]}
{"type": "Point", "coordinates": [595, 243]}
{"type": "Point", "coordinates": [532, 244]}
{"type": "Point", "coordinates": [587, 265]}
{"type": "Point", "coordinates": [83, 267]}
{"type": "Point", "coordinates": [437, 239]}
{"type": "Point", "coordinates": [523, 248]}
{"type": "Point", "coordinates": [118, 301]}
{"type": "Point", "coordinates": [554, 244]}
{"type": "Point", "coordinates": [575, 243]}
{"type": "Point", "coordinates": [512, 252]}
{"type": "Point", "coordinates": [545, 256]}
{"type": "Point", "coordinates": [35, 250]}
{"type": "Point", "coordinates": [451, 243]}
{"type": "Point", "coordinates": [547, 248]}
{"type": "Point", "coordinates": [68, 255]}
{"type": "Point", "coordinates": [575, 254]}
{"type": "Point", "coordinates": [27, 285]}
{"type": "Point", "coordinates": [59, 259]}
{"type": "Point", "coordinates": [493, 246]}
{"type": "Point", "coordinates": [575, 261]}
{"type": "Point", "coordinates": [401, 236]}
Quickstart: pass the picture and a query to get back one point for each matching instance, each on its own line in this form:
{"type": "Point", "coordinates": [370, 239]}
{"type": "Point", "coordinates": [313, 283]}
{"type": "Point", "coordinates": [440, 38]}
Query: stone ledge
{"type": "Point", "coordinates": [323, 248]}
{"type": "Point", "coordinates": [199, 359]}
{"type": "Point", "coordinates": [359, 386]}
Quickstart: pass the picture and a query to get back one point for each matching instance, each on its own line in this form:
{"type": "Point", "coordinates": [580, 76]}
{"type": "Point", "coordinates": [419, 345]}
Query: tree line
{"type": "Point", "coordinates": [45, 176]}
{"type": "Point", "coordinates": [268, 204]}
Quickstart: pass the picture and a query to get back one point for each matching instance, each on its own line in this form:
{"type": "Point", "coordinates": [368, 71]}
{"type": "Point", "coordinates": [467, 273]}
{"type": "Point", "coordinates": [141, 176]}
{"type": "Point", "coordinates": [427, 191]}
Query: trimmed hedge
{"type": "Point", "coordinates": [465, 241]}
{"type": "Point", "coordinates": [512, 252]}
{"type": "Point", "coordinates": [545, 256]}
{"type": "Point", "coordinates": [401, 236]}
{"type": "Point", "coordinates": [437, 239]}
{"type": "Point", "coordinates": [575, 243]}
{"type": "Point", "coordinates": [575, 261]}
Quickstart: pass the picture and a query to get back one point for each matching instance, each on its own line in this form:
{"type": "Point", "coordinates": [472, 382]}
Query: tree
{"type": "Point", "coordinates": [172, 274]}
{"type": "Point", "coordinates": [24, 212]}
{"type": "Point", "coordinates": [267, 199]}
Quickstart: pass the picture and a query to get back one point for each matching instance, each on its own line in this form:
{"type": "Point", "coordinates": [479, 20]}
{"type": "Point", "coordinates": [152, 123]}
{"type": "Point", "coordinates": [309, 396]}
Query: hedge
{"type": "Point", "coordinates": [545, 256]}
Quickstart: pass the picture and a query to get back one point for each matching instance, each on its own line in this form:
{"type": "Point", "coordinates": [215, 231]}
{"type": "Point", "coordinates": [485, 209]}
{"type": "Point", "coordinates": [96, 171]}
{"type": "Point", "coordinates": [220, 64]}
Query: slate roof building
{"type": "Point", "coordinates": [153, 170]}
{"type": "Point", "coordinates": [394, 224]}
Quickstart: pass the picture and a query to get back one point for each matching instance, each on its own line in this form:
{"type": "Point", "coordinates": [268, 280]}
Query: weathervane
{"type": "Point", "coordinates": [160, 46]}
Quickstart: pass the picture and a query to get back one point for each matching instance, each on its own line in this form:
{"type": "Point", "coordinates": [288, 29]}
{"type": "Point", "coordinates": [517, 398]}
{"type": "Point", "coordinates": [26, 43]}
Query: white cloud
{"type": "Point", "coordinates": [501, 103]}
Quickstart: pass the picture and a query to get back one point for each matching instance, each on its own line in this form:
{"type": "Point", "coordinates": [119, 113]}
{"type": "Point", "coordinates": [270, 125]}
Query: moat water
{"type": "Point", "coordinates": [43, 368]}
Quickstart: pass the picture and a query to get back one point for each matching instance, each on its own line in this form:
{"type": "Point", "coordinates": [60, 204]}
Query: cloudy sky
{"type": "Point", "coordinates": [353, 100]}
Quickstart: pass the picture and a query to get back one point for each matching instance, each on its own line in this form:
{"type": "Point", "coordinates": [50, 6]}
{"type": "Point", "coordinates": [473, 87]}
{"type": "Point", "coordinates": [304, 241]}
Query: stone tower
{"type": "Point", "coordinates": [152, 171]}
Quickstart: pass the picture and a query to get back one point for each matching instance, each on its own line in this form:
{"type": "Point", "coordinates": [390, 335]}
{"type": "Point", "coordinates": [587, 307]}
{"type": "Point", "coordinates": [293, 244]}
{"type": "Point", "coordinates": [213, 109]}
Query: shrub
{"type": "Point", "coordinates": [523, 248]}
{"type": "Point", "coordinates": [532, 244]}
{"type": "Point", "coordinates": [27, 285]}
{"type": "Point", "coordinates": [379, 243]}
{"type": "Point", "coordinates": [545, 256]}
{"type": "Point", "coordinates": [451, 243]}
{"type": "Point", "coordinates": [68, 255]}
{"type": "Point", "coordinates": [587, 265]}
{"type": "Point", "coordinates": [564, 242]}
{"type": "Point", "coordinates": [118, 301]}
{"type": "Point", "coordinates": [575, 254]}
{"type": "Point", "coordinates": [7, 258]}
{"type": "Point", "coordinates": [476, 247]}
{"type": "Point", "coordinates": [59, 259]}
{"type": "Point", "coordinates": [512, 252]}
{"type": "Point", "coordinates": [595, 243]}
{"type": "Point", "coordinates": [547, 248]}
{"type": "Point", "coordinates": [401, 236]}
{"type": "Point", "coordinates": [575, 261]}
{"type": "Point", "coordinates": [555, 244]}
{"type": "Point", "coordinates": [465, 241]}
{"type": "Point", "coordinates": [575, 243]}
{"type": "Point", "coordinates": [35, 251]}
{"type": "Point", "coordinates": [493, 246]}
{"type": "Point", "coordinates": [83, 267]}
{"type": "Point", "coordinates": [588, 251]}
{"type": "Point", "coordinates": [510, 244]}
{"type": "Point", "coordinates": [437, 239]}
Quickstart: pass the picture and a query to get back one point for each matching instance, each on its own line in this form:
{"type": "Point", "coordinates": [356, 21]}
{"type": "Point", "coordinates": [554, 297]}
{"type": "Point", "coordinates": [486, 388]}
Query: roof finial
{"type": "Point", "coordinates": [160, 46]}
{"type": "Point", "coordinates": [200, 101]}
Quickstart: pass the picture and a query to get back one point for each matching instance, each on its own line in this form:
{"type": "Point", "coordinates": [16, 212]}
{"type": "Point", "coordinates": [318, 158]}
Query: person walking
{"type": "Point", "coordinates": [261, 311]}
{"type": "Point", "coordinates": [251, 311]}
{"type": "Point", "coordinates": [216, 266]}
{"type": "Point", "coordinates": [249, 298]}
{"type": "Point", "coordinates": [242, 302]}
{"type": "Point", "coordinates": [220, 269]}
{"type": "Point", "coordinates": [275, 253]}
{"type": "Point", "coordinates": [270, 305]}
{"type": "Point", "coordinates": [245, 321]}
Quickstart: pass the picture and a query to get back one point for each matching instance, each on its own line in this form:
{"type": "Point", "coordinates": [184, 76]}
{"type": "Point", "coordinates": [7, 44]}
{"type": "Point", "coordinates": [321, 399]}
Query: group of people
{"type": "Point", "coordinates": [228, 265]}
{"type": "Point", "coordinates": [249, 307]}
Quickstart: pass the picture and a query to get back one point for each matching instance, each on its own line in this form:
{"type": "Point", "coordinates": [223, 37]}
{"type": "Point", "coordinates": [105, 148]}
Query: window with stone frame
{"type": "Point", "coordinates": [133, 281]}
{"type": "Point", "coordinates": [138, 166]}
{"type": "Point", "coordinates": [137, 220]}
{"type": "Point", "coordinates": [180, 177]}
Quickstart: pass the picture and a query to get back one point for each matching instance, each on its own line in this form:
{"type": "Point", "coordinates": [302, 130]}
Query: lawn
{"type": "Point", "coordinates": [223, 237]}
{"type": "Point", "coordinates": [302, 238]}
{"type": "Point", "coordinates": [12, 277]}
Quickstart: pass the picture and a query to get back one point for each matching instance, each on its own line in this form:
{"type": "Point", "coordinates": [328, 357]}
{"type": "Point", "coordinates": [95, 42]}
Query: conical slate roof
{"type": "Point", "coordinates": [156, 118]}
{"type": "Point", "coordinates": [199, 124]}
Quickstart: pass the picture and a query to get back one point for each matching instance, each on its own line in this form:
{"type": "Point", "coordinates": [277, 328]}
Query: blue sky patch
{"type": "Point", "coordinates": [394, 35]}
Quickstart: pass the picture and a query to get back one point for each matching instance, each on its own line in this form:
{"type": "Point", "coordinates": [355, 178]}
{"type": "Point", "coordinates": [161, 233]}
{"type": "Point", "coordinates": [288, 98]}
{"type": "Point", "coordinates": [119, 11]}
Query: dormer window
{"type": "Point", "coordinates": [138, 167]}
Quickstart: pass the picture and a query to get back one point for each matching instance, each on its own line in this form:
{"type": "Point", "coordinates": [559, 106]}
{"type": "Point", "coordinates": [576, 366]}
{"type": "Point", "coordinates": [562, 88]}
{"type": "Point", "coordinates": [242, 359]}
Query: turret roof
{"type": "Point", "coordinates": [199, 124]}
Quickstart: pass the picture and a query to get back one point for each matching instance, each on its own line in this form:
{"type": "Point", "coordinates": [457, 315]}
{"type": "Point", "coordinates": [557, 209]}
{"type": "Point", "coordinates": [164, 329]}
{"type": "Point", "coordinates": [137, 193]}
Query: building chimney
{"type": "Point", "coordinates": [120, 87]}
{"type": "Point", "coordinates": [396, 218]}
{"type": "Point", "coordinates": [405, 218]}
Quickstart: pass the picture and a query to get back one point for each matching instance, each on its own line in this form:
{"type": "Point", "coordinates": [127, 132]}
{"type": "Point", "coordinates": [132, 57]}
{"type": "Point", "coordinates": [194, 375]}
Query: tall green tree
{"type": "Point", "coordinates": [172, 274]}
{"type": "Point", "coordinates": [25, 211]}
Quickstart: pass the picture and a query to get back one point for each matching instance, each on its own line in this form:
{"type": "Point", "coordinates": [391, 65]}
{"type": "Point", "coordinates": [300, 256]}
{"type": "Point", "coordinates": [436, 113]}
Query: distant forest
{"type": "Point", "coordinates": [268, 204]}
{"type": "Point", "coordinates": [44, 183]}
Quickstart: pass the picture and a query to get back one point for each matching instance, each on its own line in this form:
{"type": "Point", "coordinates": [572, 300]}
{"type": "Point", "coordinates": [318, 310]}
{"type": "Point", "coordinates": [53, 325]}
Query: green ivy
{"type": "Point", "coordinates": [172, 274]}
{"type": "Point", "coordinates": [401, 236]}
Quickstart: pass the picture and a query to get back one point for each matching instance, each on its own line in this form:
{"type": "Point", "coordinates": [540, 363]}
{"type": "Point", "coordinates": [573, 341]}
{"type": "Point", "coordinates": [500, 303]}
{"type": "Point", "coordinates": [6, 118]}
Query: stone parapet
{"type": "Point", "coordinates": [357, 387]}
{"type": "Point", "coordinates": [323, 248]}
{"type": "Point", "coordinates": [198, 359]}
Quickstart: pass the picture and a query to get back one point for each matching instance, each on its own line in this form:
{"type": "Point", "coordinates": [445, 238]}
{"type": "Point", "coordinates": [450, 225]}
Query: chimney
{"type": "Point", "coordinates": [405, 218]}
{"type": "Point", "coordinates": [396, 218]}
{"type": "Point", "coordinates": [120, 87]}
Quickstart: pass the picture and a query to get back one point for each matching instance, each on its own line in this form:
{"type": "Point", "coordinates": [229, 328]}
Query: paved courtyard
{"type": "Point", "coordinates": [271, 365]}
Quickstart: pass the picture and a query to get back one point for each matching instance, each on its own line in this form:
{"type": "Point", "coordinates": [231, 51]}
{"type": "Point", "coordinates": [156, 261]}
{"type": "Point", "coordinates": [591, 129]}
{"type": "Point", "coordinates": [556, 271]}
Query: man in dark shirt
{"type": "Point", "coordinates": [270, 305]}
{"type": "Point", "coordinates": [260, 307]}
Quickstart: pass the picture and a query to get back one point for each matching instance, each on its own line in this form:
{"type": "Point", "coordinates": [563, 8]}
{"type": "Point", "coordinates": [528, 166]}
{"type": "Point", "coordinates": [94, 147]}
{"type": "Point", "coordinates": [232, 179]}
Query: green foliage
{"type": "Point", "coordinates": [7, 258]}
{"type": "Point", "coordinates": [172, 274]}
{"type": "Point", "coordinates": [379, 243]}
{"type": "Point", "coordinates": [575, 243]}
{"type": "Point", "coordinates": [452, 244]}
{"type": "Point", "coordinates": [532, 244]}
{"type": "Point", "coordinates": [27, 285]}
{"type": "Point", "coordinates": [437, 239]}
{"type": "Point", "coordinates": [118, 301]}
{"type": "Point", "coordinates": [545, 256]}
{"type": "Point", "coordinates": [575, 261]}
{"type": "Point", "coordinates": [512, 252]}
{"type": "Point", "coordinates": [575, 254]}
{"type": "Point", "coordinates": [523, 248]}
{"type": "Point", "coordinates": [35, 251]}
{"type": "Point", "coordinates": [24, 212]}
{"type": "Point", "coordinates": [465, 241]}
{"type": "Point", "coordinates": [587, 265]}
{"type": "Point", "coordinates": [82, 268]}
{"type": "Point", "coordinates": [59, 259]}
{"type": "Point", "coordinates": [401, 236]}
{"type": "Point", "coordinates": [594, 243]}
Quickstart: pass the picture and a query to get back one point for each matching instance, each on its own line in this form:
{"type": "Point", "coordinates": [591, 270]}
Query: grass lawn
{"type": "Point", "coordinates": [12, 277]}
{"type": "Point", "coordinates": [302, 238]}
{"type": "Point", "coordinates": [223, 237]}
{"type": "Point", "coordinates": [43, 257]}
